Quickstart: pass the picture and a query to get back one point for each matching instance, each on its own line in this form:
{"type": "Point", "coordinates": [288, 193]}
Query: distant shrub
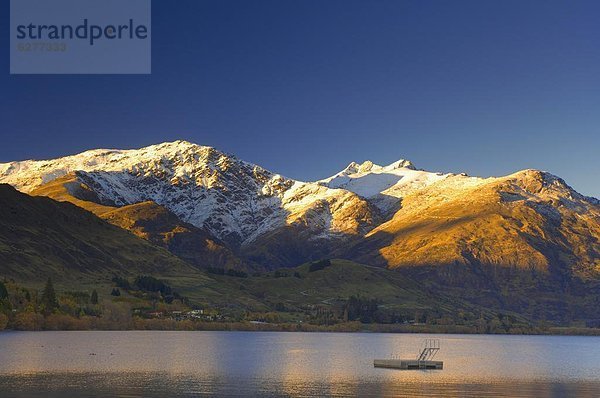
{"type": "Point", "coordinates": [115, 292]}
{"type": "Point", "coordinates": [362, 309]}
{"type": "Point", "coordinates": [3, 291]}
{"type": "Point", "coordinates": [49, 301]}
{"type": "Point", "coordinates": [66, 322]}
{"type": "Point", "coordinates": [155, 286]}
{"type": "Point", "coordinates": [319, 265]}
{"type": "Point", "coordinates": [79, 297]}
{"type": "Point", "coordinates": [115, 316]}
{"type": "Point", "coordinates": [121, 282]}
{"type": "Point", "coordinates": [29, 321]}
{"type": "Point", "coordinates": [151, 284]}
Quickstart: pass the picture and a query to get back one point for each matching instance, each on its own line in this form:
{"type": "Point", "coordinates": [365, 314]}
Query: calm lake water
{"type": "Point", "coordinates": [143, 364]}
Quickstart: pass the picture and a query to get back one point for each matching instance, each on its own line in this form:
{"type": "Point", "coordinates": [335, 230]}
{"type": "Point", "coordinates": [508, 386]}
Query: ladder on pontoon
{"type": "Point", "coordinates": [429, 349]}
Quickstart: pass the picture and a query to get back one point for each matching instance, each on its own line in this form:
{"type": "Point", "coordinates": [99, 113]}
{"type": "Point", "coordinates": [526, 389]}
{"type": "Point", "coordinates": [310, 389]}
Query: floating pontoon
{"type": "Point", "coordinates": [424, 360]}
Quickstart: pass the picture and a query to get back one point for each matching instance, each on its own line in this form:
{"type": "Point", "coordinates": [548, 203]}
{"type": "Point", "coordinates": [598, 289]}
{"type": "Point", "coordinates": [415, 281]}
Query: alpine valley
{"type": "Point", "coordinates": [232, 235]}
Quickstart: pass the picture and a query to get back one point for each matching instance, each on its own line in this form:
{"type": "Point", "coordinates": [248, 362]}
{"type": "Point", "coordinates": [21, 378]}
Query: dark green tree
{"type": "Point", "coordinates": [3, 291]}
{"type": "Point", "coordinates": [121, 282]}
{"type": "Point", "coordinates": [151, 284]}
{"type": "Point", "coordinates": [115, 292]}
{"type": "Point", "coordinates": [49, 301]}
{"type": "Point", "coordinates": [360, 308]}
{"type": "Point", "coordinates": [94, 297]}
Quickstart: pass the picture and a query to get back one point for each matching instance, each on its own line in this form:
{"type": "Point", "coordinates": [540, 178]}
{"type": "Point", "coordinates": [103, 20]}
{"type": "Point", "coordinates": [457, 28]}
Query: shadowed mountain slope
{"type": "Point", "coordinates": [149, 221]}
{"type": "Point", "coordinates": [163, 228]}
{"type": "Point", "coordinates": [40, 237]}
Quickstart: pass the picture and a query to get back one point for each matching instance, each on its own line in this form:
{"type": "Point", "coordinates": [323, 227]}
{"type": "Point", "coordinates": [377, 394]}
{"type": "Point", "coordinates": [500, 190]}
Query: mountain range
{"type": "Point", "coordinates": [211, 209]}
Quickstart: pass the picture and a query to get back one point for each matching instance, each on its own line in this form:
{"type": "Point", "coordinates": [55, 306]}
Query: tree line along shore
{"type": "Point", "coordinates": [149, 304]}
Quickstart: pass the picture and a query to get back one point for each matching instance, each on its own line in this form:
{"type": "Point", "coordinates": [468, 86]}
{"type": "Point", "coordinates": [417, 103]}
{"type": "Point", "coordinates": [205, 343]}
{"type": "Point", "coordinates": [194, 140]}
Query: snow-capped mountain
{"type": "Point", "coordinates": [234, 200]}
{"type": "Point", "coordinates": [394, 215]}
{"type": "Point", "coordinates": [384, 186]}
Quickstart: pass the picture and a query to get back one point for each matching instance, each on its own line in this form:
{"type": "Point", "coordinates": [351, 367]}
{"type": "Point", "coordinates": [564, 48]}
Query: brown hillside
{"type": "Point", "coordinates": [529, 220]}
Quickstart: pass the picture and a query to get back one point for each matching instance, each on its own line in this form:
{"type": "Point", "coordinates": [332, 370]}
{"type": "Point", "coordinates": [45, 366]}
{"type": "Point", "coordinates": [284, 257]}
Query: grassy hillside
{"type": "Point", "coordinates": [310, 294]}
{"type": "Point", "coordinates": [41, 238]}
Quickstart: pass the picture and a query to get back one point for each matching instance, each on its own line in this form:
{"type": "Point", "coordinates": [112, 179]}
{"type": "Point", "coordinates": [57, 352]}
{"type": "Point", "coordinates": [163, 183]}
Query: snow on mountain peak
{"type": "Point", "coordinates": [236, 201]}
{"type": "Point", "coordinates": [399, 164]}
{"type": "Point", "coordinates": [383, 185]}
{"type": "Point", "coordinates": [180, 159]}
{"type": "Point", "coordinates": [369, 166]}
{"type": "Point", "coordinates": [354, 167]}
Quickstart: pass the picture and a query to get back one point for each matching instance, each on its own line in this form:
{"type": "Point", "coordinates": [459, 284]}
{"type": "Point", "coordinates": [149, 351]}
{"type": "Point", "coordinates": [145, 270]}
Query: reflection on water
{"type": "Point", "coordinates": [291, 364]}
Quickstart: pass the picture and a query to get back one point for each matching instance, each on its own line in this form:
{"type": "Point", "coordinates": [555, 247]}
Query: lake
{"type": "Point", "coordinates": [151, 363]}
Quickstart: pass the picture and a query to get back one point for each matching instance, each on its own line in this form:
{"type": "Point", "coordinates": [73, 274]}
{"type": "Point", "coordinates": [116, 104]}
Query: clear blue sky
{"type": "Point", "coordinates": [304, 87]}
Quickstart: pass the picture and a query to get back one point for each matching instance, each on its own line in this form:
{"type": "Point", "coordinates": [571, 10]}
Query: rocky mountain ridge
{"type": "Point", "coordinates": [394, 215]}
{"type": "Point", "coordinates": [235, 201]}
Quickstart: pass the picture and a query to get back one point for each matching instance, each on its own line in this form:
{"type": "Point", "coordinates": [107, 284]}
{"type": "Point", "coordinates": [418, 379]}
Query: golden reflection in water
{"type": "Point", "coordinates": [332, 375]}
{"type": "Point", "coordinates": [341, 376]}
{"type": "Point", "coordinates": [296, 370]}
